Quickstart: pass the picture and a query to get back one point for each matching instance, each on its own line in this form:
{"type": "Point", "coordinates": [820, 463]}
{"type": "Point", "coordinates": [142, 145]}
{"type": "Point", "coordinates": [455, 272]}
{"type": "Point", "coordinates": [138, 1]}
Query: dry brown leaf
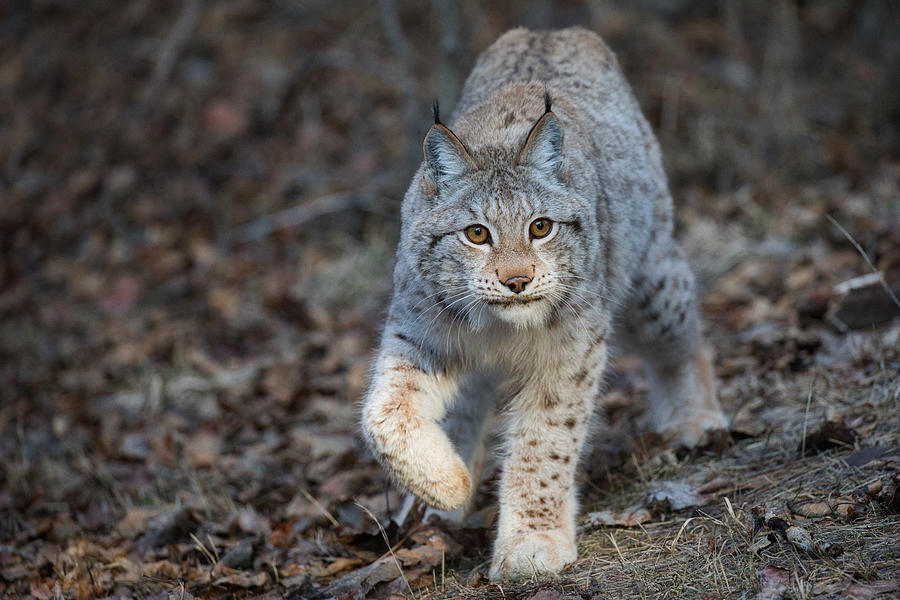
{"type": "Point", "coordinates": [813, 509]}
{"type": "Point", "coordinates": [773, 581]}
{"type": "Point", "coordinates": [135, 521]}
{"type": "Point", "coordinates": [630, 517]}
{"type": "Point", "coordinates": [673, 495]}
{"type": "Point", "coordinates": [242, 579]}
{"type": "Point", "coordinates": [203, 449]}
{"type": "Point", "coordinates": [342, 564]}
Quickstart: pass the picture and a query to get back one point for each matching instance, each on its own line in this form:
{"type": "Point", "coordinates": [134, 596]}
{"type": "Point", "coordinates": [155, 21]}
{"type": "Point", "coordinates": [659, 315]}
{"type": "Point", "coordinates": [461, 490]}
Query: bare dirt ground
{"type": "Point", "coordinates": [197, 222]}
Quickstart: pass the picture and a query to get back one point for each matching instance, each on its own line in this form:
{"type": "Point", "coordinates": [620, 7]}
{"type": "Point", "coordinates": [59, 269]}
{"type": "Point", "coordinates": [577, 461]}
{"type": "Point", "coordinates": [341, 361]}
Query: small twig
{"type": "Point", "coordinates": [684, 525]}
{"type": "Point", "coordinates": [294, 216]}
{"type": "Point", "coordinates": [806, 420]}
{"type": "Point", "coordinates": [168, 53]}
{"type": "Point", "coordinates": [204, 550]}
{"type": "Point", "coordinates": [865, 256]}
{"type": "Point", "coordinates": [616, 546]}
{"type": "Point", "coordinates": [213, 546]}
{"type": "Point", "coordinates": [388, 543]}
{"type": "Point", "coordinates": [324, 510]}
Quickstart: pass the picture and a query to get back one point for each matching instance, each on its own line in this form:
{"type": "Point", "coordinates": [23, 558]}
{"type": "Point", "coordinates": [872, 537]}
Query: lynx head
{"type": "Point", "coordinates": [506, 231]}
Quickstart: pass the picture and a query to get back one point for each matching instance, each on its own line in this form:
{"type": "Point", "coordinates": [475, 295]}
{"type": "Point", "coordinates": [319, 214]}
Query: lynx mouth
{"type": "Point", "coordinates": [515, 301]}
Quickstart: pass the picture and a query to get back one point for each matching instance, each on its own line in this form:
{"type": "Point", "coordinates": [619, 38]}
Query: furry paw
{"type": "Point", "coordinates": [695, 430]}
{"type": "Point", "coordinates": [534, 553]}
{"type": "Point", "coordinates": [445, 486]}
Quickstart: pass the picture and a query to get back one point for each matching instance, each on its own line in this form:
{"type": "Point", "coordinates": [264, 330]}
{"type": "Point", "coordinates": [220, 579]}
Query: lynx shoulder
{"type": "Point", "coordinates": [537, 233]}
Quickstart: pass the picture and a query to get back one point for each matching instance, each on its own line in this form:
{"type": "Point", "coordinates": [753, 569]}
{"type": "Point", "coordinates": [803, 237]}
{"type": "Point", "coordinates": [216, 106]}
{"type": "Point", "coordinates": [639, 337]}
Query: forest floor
{"type": "Point", "coordinates": [197, 223]}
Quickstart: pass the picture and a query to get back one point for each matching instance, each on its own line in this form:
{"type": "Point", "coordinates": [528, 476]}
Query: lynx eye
{"type": "Point", "coordinates": [540, 227]}
{"type": "Point", "coordinates": [477, 234]}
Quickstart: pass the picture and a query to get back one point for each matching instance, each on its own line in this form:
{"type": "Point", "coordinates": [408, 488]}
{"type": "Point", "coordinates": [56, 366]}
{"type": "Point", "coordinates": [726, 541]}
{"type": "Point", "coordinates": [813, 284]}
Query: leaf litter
{"type": "Point", "coordinates": [189, 293]}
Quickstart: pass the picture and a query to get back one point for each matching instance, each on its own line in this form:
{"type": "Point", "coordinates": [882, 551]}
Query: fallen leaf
{"type": "Point", "coordinates": [203, 448]}
{"type": "Point", "coordinates": [356, 584]}
{"type": "Point", "coordinates": [342, 564]}
{"type": "Point", "coordinates": [813, 510]}
{"type": "Point", "coordinates": [242, 579]}
{"type": "Point", "coordinates": [135, 521]}
{"type": "Point", "coordinates": [714, 485]}
{"type": "Point", "coordinates": [844, 507]}
{"type": "Point", "coordinates": [630, 517]}
{"type": "Point", "coordinates": [283, 382]}
{"type": "Point", "coordinates": [774, 581]}
{"type": "Point", "coordinates": [673, 495]}
{"type": "Point", "coordinates": [800, 538]}
{"type": "Point", "coordinates": [434, 537]}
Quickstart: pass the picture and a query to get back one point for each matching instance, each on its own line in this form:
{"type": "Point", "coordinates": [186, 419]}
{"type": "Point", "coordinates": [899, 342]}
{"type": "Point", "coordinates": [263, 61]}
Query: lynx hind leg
{"type": "Point", "coordinates": [465, 425]}
{"type": "Point", "coordinates": [662, 325]}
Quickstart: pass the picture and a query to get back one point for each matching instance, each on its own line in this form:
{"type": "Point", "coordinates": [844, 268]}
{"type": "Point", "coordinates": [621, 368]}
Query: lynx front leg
{"type": "Point", "coordinates": [663, 326]}
{"type": "Point", "coordinates": [465, 426]}
{"type": "Point", "coordinates": [546, 432]}
{"type": "Point", "coordinates": [400, 422]}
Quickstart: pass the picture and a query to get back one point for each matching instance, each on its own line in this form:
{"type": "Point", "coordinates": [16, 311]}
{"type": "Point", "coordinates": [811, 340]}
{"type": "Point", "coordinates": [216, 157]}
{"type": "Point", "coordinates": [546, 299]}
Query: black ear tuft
{"type": "Point", "coordinates": [436, 111]}
{"type": "Point", "coordinates": [547, 101]}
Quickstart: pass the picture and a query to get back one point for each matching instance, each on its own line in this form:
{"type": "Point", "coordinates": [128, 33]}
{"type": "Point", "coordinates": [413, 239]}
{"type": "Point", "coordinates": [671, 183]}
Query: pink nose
{"type": "Point", "coordinates": [517, 284]}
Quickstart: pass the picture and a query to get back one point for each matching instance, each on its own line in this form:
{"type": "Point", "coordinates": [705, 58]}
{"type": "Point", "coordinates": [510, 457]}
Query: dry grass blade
{"type": "Point", "coordinates": [388, 544]}
{"type": "Point", "coordinates": [865, 256]}
{"type": "Point", "coordinates": [210, 556]}
{"type": "Point", "coordinates": [319, 505]}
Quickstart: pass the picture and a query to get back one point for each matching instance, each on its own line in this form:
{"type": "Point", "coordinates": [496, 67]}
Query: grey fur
{"type": "Point", "coordinates": [590, 163]}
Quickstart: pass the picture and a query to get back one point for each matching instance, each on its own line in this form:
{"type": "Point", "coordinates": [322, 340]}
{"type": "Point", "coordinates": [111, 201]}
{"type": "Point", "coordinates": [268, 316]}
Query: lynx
{"type": "Point", "coordinates": [536, 235]}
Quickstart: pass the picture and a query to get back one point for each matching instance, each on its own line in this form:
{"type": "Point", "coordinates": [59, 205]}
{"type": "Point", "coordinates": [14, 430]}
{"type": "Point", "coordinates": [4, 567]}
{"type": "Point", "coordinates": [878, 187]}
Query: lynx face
{"type": "Point", "coordinates": [512, 246]}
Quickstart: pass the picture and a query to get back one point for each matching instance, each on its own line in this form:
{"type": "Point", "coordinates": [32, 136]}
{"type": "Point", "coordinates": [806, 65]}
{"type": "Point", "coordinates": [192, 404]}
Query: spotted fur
{"type": "Point", "coordinates": [546, 127]}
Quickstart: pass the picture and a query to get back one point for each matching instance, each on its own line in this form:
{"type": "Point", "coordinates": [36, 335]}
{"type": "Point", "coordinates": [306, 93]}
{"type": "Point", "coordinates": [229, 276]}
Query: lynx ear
{"type": "Point", "coordinates": [446, 157]}
{"type": "Point", "coordinates": [543, 150]}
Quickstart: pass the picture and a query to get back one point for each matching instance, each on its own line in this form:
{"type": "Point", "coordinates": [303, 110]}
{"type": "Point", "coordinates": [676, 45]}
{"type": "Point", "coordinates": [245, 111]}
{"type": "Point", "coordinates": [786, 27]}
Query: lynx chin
{"type": "Point", "coordinates": [536, 235]}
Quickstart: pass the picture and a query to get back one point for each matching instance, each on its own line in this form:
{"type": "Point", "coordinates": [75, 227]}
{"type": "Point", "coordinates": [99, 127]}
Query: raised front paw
{"type": "Point", "coordinates": [533, 553]}
{"type": "Point", "coordinates": [697, 429]}
{"type": "Point", "coordinates": [446, 485]}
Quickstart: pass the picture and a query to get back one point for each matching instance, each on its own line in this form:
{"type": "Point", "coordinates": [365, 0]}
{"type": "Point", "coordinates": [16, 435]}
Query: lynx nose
{"type": "Point", "coordinates": [517, 283]}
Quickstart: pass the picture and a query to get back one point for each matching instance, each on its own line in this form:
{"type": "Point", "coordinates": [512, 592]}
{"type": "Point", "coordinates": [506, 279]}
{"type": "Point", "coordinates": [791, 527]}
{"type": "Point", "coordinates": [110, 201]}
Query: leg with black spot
{"type": "Point", "coordinates": [661, 323]}
{"type": "Point", "coordinates": [547, 423]}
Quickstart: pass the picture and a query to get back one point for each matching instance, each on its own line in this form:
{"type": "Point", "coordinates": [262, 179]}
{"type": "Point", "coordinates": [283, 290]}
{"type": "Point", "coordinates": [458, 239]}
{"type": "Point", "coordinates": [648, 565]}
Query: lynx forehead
{"type": "Point", "coordinates": [537, 231]}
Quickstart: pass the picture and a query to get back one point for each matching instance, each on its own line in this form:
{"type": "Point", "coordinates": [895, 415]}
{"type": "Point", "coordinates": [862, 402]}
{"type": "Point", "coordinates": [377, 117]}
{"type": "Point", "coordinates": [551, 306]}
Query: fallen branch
{"type": "Point", "coordinates": [295, 215]}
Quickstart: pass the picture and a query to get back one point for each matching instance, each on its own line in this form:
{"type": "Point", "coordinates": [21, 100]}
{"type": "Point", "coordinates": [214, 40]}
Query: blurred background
{"type": "Point", "coordinates": [199, 208]}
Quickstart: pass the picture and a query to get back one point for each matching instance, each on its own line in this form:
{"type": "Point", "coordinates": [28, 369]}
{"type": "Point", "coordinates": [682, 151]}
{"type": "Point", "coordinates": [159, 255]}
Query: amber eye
{"type": "Point", "coordinates": [540, 227]}
{"type": "Point", "coordinates": [477, 234]}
